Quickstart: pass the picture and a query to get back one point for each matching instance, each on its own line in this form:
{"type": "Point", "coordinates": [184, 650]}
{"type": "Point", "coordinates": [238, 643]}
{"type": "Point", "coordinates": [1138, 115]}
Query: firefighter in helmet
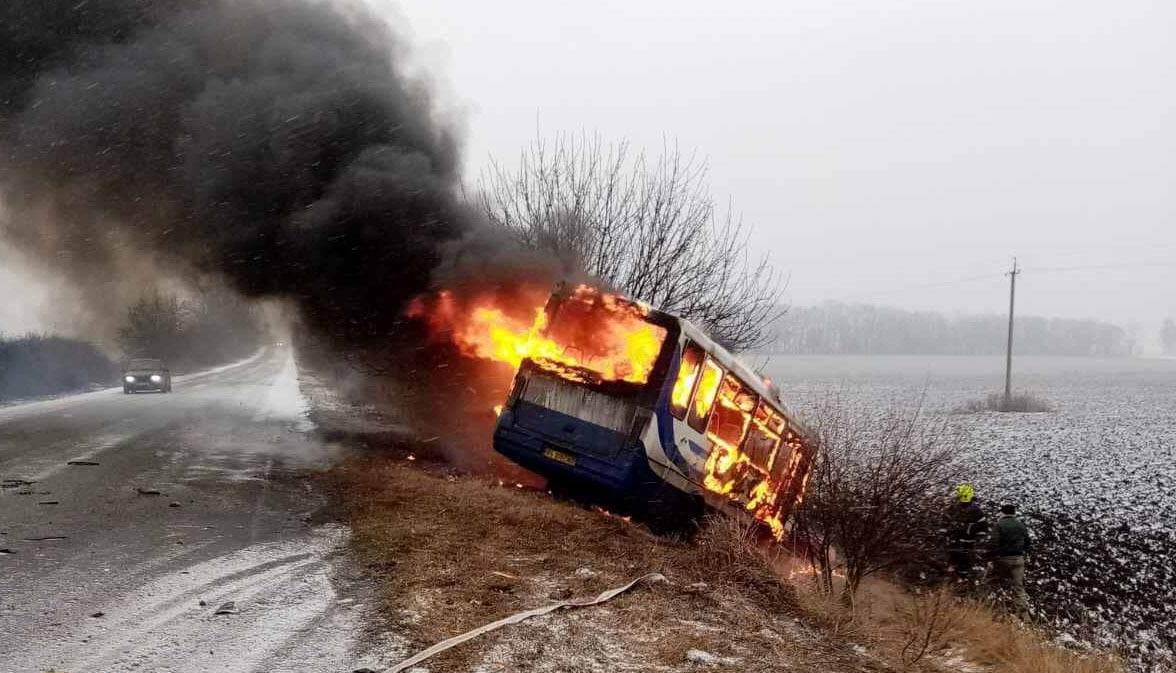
{"type": "Point", "coordinates": [967, 525]}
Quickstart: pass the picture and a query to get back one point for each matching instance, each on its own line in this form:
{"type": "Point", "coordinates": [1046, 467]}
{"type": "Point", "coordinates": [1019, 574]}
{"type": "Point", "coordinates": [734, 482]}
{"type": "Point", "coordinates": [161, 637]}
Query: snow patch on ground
{"type": "Point", "coordinates": [1095, 479]}
{"type": "Point", "coordinates": [283, 399]}
{"type": "Point", "coordinates": [286, 616]}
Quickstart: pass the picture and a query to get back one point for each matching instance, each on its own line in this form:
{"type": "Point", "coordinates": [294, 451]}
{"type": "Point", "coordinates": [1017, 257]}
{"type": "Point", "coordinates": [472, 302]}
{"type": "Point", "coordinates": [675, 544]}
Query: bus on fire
{"type": "Point", "coordinates": [643, 404]}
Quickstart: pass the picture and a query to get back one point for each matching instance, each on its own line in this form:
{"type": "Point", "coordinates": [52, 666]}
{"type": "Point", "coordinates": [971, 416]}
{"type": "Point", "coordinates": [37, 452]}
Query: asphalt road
{"type": "Point", "coordinates": [128, 521]}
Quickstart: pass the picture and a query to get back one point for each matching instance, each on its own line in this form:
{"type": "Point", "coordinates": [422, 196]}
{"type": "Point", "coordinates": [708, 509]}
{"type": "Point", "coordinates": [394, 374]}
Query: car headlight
{"type": "Point", "coordinates": [129, 379]}
{"type": "Point", "coordinates": [156, 378]}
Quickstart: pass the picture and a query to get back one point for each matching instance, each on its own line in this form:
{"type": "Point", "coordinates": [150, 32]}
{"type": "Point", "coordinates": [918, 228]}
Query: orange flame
{"type": "Point", "coordinates": [746, 438]}
{"type": "Point", "coordinates": [708, 387]}
{"type": "Point", "coordinates": [687, 375]}
{"type": "Point", "coordinates": [593, 336]}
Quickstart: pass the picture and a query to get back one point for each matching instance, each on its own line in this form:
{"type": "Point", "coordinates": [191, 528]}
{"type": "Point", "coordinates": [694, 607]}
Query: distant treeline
{"type": "Point", "coordinates": [35, 366]}
{"type": "Point", "coordinates": [861, 329]}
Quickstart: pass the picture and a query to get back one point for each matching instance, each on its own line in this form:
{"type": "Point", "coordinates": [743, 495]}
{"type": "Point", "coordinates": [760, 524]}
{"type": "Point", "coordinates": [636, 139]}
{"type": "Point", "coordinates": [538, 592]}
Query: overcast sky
{"type": "Point", "coordinates": [882, 150]}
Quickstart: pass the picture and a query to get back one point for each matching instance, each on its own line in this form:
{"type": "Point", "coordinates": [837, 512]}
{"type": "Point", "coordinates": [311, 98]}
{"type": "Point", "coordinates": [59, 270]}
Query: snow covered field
{"type": "Point", "coordinates": [1096, 477]}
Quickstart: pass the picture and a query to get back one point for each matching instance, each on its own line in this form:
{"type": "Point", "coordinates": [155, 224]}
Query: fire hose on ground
{"type": "Point", "coordinates": [521, 616]}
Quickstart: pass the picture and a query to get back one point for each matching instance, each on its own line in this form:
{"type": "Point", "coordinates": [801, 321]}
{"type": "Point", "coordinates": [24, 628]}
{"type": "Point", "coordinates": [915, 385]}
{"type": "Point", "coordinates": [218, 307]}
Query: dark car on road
{"type": "Point", "coordinates": [146, 374]}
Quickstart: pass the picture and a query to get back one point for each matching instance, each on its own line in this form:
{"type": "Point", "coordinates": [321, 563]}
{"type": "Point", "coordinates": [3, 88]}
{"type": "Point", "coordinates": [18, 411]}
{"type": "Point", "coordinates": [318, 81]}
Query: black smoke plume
{"type": "Point", "coordinates": [277, 144]}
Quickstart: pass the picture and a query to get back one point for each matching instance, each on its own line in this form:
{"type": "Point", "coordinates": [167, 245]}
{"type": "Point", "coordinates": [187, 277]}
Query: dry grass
{"type": "Point", "coordinates": [454, 552]}
{"type": "Point", "coordinates": [1006, 646]}
{"type": "Point", "coordinates": [1018, 403]}
{"type": "Point", "coordinates": [936, 631]}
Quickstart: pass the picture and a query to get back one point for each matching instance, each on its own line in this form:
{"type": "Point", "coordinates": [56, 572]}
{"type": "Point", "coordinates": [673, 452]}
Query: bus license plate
{"type": "Point", "coordinates": [559, 456]}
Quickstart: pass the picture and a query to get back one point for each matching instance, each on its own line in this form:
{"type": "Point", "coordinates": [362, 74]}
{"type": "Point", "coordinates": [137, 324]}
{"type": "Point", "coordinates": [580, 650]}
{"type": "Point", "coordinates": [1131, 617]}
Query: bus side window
{"type": "Point", "coordinates": [732, 413]}
{"type": "Point", "coordinates": [763, 437]}
{"type": "Point", "coordinates": [704, 394]}
{"type": "Point", "coordinates": [692, 356]}
{"type": "Point", "coordinates": [791, 451]}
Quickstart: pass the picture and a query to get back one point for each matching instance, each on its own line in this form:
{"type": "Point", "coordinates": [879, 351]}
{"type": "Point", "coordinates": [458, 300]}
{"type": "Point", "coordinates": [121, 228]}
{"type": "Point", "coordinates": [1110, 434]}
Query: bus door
{"type": "Point", "coordinates": [692, 398]}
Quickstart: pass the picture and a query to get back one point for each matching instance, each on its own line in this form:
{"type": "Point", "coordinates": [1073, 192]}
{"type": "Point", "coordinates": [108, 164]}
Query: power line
{"type": "Point", "coordinates": [1089, 267]}
{"type": "Point", "coordinates": [968, 279]}
{"type": "Point", "coordinates": [992, 276]}
{"type": "Point", "coordinates": [949, 283]}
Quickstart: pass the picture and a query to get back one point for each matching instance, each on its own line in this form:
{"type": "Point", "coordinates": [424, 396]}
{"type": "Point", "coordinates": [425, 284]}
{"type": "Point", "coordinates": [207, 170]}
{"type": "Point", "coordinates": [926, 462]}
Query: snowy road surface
{"type": "Point", "coordinates": [174, 506]}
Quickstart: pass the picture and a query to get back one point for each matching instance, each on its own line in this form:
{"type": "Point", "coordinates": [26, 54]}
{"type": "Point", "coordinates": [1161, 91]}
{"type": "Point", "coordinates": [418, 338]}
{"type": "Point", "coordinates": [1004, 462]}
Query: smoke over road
{"type": "Point", "coordinates": [277, 144]}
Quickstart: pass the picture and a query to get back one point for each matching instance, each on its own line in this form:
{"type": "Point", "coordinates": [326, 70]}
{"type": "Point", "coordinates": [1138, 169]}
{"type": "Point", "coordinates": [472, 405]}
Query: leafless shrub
{"type": "Point", "coordinates": [871, 504]}
{"type": "Point", "coordinates": [646, 226]}
{"type": "Point", "coordinates": [929, 619]}
{"type": "Point", "coordinates": [1018, 403]}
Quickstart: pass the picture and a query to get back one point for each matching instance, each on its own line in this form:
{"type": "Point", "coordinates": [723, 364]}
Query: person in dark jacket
{"type": "Point", "coordinates": [966, 526]}
{"type": "Point", "coordinates": [1011, 543]}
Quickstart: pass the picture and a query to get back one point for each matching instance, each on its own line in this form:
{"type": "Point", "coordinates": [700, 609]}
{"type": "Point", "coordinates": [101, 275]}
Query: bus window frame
{"type": "Point", "coordinates": [704, 421]}
{"type": "Point", "coordinates": [643, 394]}
{"type": "Point", "coordinates": [690, 344]}
{"type": "Point", "coordinates": [762, 403]}
{"type": "Point", "coordinates": [743, 389]}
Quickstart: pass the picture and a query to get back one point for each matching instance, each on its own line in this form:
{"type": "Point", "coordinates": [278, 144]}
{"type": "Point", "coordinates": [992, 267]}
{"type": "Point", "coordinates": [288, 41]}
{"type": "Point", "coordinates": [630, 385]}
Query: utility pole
{"type": "Point", "coordinates": [1009, 350]}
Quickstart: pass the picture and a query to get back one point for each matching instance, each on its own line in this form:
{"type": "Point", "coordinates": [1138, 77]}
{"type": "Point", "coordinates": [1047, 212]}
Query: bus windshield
{"type": "Point", "coordinates": [598, 338]}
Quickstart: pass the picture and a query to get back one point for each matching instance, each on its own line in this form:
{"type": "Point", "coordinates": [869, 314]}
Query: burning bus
{"type": "Point", "coordinates": [615, 395]}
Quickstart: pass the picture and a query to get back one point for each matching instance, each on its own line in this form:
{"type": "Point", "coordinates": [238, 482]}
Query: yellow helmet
{"type": "Point", "coordinates": [965, 492]}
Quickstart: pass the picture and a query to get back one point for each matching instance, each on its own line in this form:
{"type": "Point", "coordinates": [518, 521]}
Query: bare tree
{"type": "Point", "coordinates": [214, 327]}
{"type": "Point", "coordinates": [645, 226]}
{"type": "Point", "coordinates": [155, 327]}
{"type": "Point", "coordinates": [873, 499]}
{"type": "Point", "coordinates": [1168, 336]}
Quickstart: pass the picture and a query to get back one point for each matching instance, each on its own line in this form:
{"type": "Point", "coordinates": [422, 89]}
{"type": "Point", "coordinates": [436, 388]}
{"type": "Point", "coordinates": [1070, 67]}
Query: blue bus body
{"type": "Point", "coordinates": [627, 441]}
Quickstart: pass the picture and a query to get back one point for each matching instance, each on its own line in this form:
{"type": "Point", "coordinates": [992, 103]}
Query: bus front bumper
{"type": "Point", "coordinates": [626, 473]}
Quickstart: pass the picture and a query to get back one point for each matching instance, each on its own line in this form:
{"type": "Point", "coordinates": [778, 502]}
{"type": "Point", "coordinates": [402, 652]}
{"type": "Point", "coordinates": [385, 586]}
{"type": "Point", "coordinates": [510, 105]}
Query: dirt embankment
{"type": "Point", "coordinates": [451, 552]}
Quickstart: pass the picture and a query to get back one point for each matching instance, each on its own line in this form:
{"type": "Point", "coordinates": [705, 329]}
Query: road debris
{"type": "Point", "coordinates": [174, 504]}
{"type": "Point", "coordinates": [98, 614]}
{"type": "Point", "coordinates": [521, 616]}
{"type": "Point", "coordinates": [228, 608]}
{"type": "Point", "coordinates": [46, 538]}
{"type": "Point", "coordinates": [15, 483]}
{"type": "Point", "coordinates": [148, 491]}
{"type": "Point", "coordinates": [7, 551]}
{"type": "Point", "coordinates": [49, 502]}
{"type": "Point", "coordinates": [82, 462]}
